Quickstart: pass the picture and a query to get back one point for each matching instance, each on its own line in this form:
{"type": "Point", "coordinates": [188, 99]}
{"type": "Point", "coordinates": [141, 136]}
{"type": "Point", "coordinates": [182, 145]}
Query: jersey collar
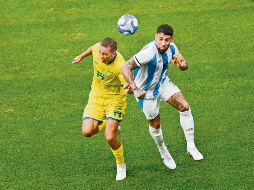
{"type": "Point", "coordinates": [108, 63]}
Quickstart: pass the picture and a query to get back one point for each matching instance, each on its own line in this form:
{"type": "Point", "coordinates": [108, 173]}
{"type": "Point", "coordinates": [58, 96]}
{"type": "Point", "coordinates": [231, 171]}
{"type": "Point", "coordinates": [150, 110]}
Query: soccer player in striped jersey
{"type": "Point", "coordinates": [107, 98]}
{"type": "Point", "coordinates": [151, 85]}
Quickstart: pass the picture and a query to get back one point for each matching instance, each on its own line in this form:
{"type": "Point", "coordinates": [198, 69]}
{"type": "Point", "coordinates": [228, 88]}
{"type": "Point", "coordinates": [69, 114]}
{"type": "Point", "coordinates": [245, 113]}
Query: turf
{"type": "Point", "coordinates": [43, 95]}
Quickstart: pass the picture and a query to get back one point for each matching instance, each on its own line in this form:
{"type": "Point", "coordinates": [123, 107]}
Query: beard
{"type": "Point", "coordinates": [162, 50]}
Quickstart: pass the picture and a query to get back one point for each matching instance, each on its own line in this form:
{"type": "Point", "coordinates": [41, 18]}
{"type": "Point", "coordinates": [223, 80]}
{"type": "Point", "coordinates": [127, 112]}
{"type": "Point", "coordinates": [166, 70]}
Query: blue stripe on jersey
{"type": "Point", "coordinates": [172, 48]}
{"type": "Point", "coordinates": [165, 64]}
{"type": "Point", "coordinates": [141, 103]}
{"type": "Point", "coordinates": [151, 66]}
{"type": "Point", "coordinates": [163, 73]}
{"type": "Point", "coordinates": [136, 72]}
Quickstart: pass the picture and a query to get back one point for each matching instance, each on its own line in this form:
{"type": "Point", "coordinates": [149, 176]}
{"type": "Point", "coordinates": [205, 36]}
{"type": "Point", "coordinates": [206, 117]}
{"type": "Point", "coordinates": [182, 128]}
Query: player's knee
{"type": "Point", "coordinates": [87, 133]}
{"type": "Point", "coordinates": [156, 125]}
{"type": "Point", "coordinates": [109, 137]}
{"type": "Point", "coordinates": [184, 107]}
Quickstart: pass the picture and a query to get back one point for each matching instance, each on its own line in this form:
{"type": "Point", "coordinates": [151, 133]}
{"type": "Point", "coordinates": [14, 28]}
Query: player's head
{"type": "Point", "coordinates": [163, 37]}
{"type": "Point", "coordinates": [107, 50]}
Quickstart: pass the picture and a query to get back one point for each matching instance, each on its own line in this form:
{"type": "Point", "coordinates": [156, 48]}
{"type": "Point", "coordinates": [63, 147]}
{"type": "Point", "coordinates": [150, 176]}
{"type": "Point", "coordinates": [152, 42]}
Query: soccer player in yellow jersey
{"type": "Point", "coordinates": [107, 98]}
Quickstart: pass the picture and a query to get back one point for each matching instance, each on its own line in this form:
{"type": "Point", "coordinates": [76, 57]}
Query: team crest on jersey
{"type": "Point", "coordinates": [108, 71]}
{"type": "Point", "coordinates": [118, 113]}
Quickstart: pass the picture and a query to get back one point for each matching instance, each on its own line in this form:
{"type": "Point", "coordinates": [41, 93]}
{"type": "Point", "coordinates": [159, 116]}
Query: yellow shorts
{"type": "Point", "coordinates": [101, 108]}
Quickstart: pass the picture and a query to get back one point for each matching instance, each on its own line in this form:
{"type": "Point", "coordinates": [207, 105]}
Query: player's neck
{"type": "Point", "coordinates": [109, 62]}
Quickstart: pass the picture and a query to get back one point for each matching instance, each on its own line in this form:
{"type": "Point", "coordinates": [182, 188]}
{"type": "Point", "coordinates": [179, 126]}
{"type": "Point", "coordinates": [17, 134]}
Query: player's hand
{"type": "Point", "coordinates": [176, 61]}
{"type": "Point", "coordinates": [139, 93]}
{"type": "Point", "coordinates": [127, 88]}
{"type": "Point", "coordinates": [76, 59]}
{"type": "Point", "coordinates": [180, 63]}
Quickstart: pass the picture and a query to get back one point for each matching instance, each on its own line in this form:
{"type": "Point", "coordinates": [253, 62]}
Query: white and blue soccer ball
{"type": "Point", "coordinates": [127, 24]}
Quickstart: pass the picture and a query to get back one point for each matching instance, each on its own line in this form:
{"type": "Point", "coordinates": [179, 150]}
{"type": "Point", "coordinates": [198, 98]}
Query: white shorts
{"type": "Point", "coordinates": [151, 107]}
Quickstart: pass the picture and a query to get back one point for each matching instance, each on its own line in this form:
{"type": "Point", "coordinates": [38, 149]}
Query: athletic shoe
{"type": "Point", "coordinates": [121, 172]}
{"type": "Point", "coordinates": [167, 158]}
{"type": "Point", "coordinates": [196, 155]}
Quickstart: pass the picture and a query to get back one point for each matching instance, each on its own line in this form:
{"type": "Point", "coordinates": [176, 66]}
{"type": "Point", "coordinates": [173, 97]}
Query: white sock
{"type": "Point", "coordinates": [187, 123]}
{"type": "Point", "coordinates": [157, 136]}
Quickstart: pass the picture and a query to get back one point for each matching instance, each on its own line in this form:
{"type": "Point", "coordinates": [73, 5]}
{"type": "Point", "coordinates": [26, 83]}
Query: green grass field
{"type": "Point", "coordinates": [43, 95]}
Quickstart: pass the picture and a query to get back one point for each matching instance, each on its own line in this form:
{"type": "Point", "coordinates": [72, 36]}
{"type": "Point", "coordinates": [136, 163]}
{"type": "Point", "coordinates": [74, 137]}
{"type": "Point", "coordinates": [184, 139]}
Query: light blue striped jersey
{"type": "Point", "coordinates": [152, 68]}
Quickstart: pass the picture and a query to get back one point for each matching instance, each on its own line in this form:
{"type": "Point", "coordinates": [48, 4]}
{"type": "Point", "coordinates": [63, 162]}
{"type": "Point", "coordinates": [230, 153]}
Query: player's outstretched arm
{"type": "Point", "coordinates": [180, 62]}
{"type": "Point", "coordinates": [80, 57]}
{"type": "Point", "coordinates": [127, 73]}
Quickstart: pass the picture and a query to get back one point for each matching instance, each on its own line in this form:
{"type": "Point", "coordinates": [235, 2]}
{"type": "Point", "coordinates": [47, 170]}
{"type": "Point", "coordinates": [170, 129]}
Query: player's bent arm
{"type": "Point", "coordinates": [127, 88]}
{"type": "Point", "coordinates": [87, 52]}
{"type": "Point", "coordinates": [80, 57]}
{"type": "Point", "coordinates": [180, 62]}
{"type": "Point", "coordinates": [127, 72]}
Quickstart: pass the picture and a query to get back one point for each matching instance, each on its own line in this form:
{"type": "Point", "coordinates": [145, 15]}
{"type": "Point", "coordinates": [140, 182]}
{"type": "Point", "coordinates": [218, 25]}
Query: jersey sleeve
{"type": "Point", "coordinates": [173, 49]}
{"type": "Point", "coordinates": [121, 61]}
{"type": "Point", "coordinates": [143, 56]}
{"type": "Point", "coordinates": [95, 48]}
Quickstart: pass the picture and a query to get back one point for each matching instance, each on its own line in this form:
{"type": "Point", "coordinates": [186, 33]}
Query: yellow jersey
{"type": "Point", "coordinates": [107, 78]}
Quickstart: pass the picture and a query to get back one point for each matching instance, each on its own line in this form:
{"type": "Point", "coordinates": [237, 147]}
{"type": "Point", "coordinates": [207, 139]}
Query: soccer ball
{"type": "Point", "coordinates": [127, 24]}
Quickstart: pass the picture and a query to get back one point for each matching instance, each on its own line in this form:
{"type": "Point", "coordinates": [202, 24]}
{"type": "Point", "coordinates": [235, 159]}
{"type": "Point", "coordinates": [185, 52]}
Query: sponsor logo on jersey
{"type": "Point", "coordinates": [99, 74]}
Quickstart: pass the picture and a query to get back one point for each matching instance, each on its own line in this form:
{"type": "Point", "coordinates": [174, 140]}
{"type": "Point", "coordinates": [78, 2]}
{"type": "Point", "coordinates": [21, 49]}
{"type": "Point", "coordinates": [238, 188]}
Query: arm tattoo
{"type": "Point", "coordinates": [179, 102]}
{"type": "Point", "coordinates": [132, 64]}
{"type": "Point", "coordinates": [177, 98]}
{"type": "Point", "coordinates": [127, 72]}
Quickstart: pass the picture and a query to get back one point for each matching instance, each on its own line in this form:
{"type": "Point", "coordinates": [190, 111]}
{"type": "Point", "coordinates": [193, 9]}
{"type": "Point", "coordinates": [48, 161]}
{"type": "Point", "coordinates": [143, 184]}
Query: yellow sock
{"type": "Point", "coordinates": [102, 125]}
{"type": "Point", "coordinates": [118, 154]}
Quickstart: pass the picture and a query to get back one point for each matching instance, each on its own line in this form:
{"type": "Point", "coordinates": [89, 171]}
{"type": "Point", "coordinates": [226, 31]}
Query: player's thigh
{"type": "Point", "coordinates": [111, 129]}
{"type": "Point", "coordinates": [167, 90]}
{"type": "Point", "coordinates": [94, 109]}
{"type": "Point", "coordinates": [115, 108]}
{"type": "Point", "coordinates": [89, 126]}
{"type": "Point", "coordinates": [178, 101]}
{"type": "Point", "coordinates": [93, 115]}
{"type": "Point", "coordinates": [171, 94]}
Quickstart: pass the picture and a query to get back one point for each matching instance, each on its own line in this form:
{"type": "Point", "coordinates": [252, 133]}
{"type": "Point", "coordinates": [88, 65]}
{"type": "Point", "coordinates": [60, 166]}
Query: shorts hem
{"type": "Point", "coordinates": [86, 118]}
{"type": "Point", "coordinates": [111, 118]}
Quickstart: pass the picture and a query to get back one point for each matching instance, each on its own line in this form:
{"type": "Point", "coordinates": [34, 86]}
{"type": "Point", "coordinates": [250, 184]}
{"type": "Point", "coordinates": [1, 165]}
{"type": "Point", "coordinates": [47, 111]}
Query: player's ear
{"type": "Point", "coordinates": [114, 53]}
{"type": "Point", "coordinates": [171, 39]}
